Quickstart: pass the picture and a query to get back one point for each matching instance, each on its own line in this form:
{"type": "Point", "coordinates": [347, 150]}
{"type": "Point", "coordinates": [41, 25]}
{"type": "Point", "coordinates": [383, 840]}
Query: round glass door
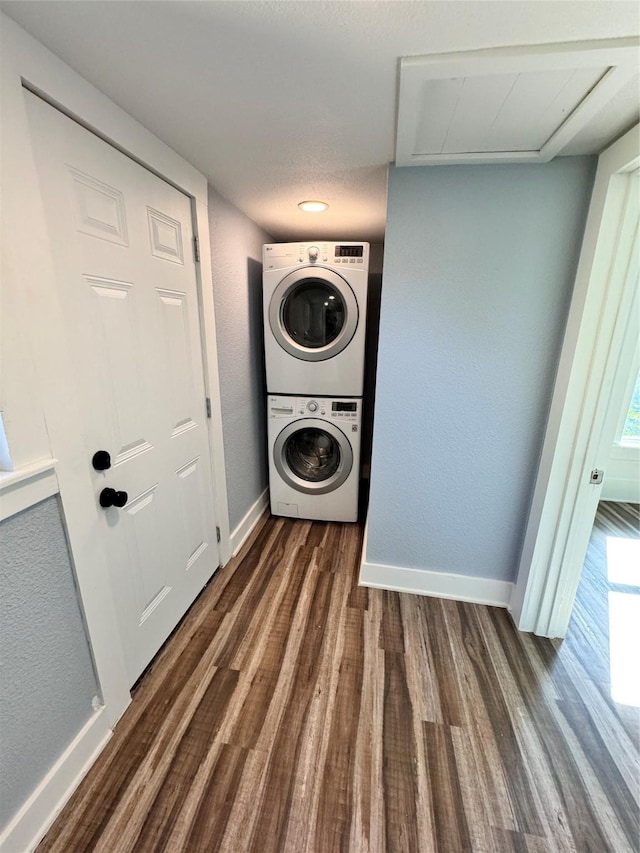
{"type": "Point", "coordinates": [313, 314]}
{"type": "Point", "coordinates": [313, 456]}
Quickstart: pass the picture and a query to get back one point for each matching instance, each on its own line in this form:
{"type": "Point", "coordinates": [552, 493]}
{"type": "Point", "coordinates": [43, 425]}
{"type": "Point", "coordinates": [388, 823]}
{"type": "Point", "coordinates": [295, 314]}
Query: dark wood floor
{"type": "Point", "coordinates": [295, 711]}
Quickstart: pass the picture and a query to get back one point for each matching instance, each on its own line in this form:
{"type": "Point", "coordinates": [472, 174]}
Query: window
{"type": "Point", "coordinates": [631, 429]}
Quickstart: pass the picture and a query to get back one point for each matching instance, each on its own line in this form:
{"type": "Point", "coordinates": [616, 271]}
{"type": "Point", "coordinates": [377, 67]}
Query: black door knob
{"type": "Point", "coordinates": [120, 499]}
{"type": "Point", "coordinates": [110, 497]}
{"type": "Point", "coordinates": [101, 460]}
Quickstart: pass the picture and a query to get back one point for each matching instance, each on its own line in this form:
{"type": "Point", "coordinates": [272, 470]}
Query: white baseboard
{"type": "Point", "coordinates": [241, 533]}
{"type": "Point", "coordinates": [30, 824]}
{"type": "Point", "coordinates": [438, 584]}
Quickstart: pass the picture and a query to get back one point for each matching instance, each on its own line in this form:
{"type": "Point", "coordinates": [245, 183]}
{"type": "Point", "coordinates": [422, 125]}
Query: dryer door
{"type": "Point", "coordinates": [313, 456]}
{"type": "Point", "coordinates": [313, 314]}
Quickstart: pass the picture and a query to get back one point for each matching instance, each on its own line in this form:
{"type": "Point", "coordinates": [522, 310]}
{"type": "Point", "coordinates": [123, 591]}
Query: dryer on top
{"type": "Point", "coordinates": [315, 302]}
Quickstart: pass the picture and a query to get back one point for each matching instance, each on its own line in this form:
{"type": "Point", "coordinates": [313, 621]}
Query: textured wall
{"type": "Point", "coordinates": [236, 259]}
{"type": "Point", "coordinates": [478, 271]}
{"type": "Point", "coordinates": [47, 680]}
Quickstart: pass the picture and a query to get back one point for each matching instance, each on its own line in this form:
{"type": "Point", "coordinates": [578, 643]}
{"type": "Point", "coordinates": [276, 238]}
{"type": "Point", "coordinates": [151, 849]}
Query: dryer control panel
{"type": "Point", "coordinates": [282, 255]}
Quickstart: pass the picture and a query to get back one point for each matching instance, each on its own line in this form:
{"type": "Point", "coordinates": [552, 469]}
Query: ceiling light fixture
{"type": "Point", "coordinates": [313, 206]}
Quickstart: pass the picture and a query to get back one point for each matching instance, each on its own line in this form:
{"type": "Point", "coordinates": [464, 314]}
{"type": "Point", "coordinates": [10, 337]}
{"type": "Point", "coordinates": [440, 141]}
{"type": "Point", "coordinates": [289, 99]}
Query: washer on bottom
{"type": "Point", "coordinates": [314, 456]}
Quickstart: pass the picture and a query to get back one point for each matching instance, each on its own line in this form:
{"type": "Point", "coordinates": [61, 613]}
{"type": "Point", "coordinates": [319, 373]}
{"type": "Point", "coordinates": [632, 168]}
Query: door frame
{"type": "Point", "coordinates": [580, 428]}
{"type": "Point", "coordinates": [28, 64]}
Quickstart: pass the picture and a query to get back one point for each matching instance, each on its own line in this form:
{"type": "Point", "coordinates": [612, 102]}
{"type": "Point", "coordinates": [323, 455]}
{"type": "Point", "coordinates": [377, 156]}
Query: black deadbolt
{"type": "Point", "coordinates": [110, 497]}
{"type": "Point", "coordinates": [101, 460]}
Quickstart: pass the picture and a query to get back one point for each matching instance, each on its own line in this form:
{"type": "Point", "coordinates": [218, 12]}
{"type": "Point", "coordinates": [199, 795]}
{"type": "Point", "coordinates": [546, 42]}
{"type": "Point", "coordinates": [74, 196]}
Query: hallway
{"type": "Point", "coordinates": [295, 711]}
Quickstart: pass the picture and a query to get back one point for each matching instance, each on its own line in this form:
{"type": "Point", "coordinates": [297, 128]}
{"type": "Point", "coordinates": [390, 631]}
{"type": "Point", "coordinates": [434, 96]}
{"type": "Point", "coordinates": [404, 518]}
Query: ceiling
{"type": "Point", "coordinates": [276, 102]}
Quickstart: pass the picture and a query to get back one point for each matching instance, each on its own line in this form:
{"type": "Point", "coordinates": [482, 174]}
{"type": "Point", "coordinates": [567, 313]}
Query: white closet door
{"type": "Point", "coordinates": [122, 243]}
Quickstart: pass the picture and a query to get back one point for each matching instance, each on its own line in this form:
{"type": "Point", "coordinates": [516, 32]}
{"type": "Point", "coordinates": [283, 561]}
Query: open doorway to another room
{"type": "Point", "coordinates": [593, 384]}
{"type": "Point", "coordinates": [607, 608]}
{"type": "Point", "coordinates": [604, 631]}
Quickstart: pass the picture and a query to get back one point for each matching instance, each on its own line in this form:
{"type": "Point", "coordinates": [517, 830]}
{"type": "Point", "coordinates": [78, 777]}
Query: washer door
{"type": "Point", "coordinates": [313, 456]}
{"type": "Point", "coordinates": [313, 314]}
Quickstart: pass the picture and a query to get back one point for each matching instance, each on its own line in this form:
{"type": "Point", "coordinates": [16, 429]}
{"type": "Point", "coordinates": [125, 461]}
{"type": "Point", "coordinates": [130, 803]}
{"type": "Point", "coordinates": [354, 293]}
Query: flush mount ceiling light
{"type": "Point", "coordinates": [313, 206]}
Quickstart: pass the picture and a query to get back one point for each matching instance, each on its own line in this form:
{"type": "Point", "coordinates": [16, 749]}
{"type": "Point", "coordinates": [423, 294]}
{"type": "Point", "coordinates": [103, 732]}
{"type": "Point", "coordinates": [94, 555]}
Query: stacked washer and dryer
{"type": "Point", "coordinates": [315, 301]}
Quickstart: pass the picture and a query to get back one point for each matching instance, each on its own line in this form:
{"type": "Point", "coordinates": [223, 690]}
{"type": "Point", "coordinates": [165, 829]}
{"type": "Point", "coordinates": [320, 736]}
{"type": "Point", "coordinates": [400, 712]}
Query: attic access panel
{"type": "Point", "coordinates": [521, 104]}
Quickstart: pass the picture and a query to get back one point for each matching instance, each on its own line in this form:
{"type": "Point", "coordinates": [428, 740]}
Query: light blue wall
{"type": "Point", "coordinates": [47, 682]}
{"type": "Point", "coordinates": [478, 271]}
{"type": "Point", "coordinates": [236, 261]}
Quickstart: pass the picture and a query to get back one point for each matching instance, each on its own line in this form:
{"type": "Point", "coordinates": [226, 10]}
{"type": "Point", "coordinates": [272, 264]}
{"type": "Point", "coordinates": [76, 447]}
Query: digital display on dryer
{"type": "Point", "coordinates": [349, 251]}
{"type": "Point", "coordinates": [344, 407]}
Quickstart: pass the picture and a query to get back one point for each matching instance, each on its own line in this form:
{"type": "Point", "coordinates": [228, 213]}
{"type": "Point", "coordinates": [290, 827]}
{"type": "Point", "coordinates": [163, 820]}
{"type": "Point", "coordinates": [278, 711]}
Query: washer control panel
{"type": "Point", "coordinates": [311, 407]}
{"type": "Point", "coordinates": [344, 409]}
{"type": "Point", "coordinates": [280, 406]}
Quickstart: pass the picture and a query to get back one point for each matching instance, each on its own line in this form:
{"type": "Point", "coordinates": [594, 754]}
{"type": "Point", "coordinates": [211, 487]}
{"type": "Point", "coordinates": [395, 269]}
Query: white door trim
{"type": "Point", "coordinates": [200, 207]}
{"type": "Point", "coordinates": [564, 502]}
{"type": "Point", "coordinates": [25, 62]}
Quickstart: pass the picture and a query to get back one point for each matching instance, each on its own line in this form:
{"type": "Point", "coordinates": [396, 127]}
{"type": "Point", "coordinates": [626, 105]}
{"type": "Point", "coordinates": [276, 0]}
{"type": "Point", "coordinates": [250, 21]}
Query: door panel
{"type": "Point", "coordinates": [177, 356]}
{"type": "Point", "coordinates": [99, 208]}
{"type": "Point", "coordinates": [121, 240]}
{"type": "Point", "coordinates": [112, 317]}
{"type": "Point", "coordinates": [191, 485]}
{"type": "Point", "coordinates": [142, 516]}
{"type": "Point", "coordinates": [166, 237]}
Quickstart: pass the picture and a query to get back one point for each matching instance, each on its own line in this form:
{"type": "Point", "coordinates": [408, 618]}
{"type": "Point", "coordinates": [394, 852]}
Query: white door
{"type": "Point", "coordinates": [122, 243]}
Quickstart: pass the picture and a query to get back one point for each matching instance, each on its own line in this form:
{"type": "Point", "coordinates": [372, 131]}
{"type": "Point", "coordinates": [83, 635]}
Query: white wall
{"type": "Point", "coordinates": [46, 673]}
{"type": "Point", "coordinates": [236, 264]}
{"type": "Point", "coordinates": [478, 269]}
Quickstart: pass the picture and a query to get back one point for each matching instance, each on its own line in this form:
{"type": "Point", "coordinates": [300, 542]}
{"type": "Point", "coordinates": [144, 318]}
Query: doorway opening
{"type": "Point", "coordinates": [602, 325]}
{"type": "Point", "coordinates": [606, 615]}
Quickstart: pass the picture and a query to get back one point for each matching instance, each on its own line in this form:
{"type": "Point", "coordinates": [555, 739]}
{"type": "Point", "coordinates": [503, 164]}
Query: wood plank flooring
{"type": "Point", "coordinates": [295, 712]}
